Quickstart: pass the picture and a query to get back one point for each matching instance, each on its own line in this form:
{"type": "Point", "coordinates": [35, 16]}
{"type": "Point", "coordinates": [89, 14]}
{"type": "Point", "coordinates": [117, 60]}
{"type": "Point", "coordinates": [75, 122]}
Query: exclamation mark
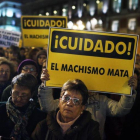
{"type": "Point", "coordinates": [129, 48]}
{"type": "Point", "coordinates": [63, 23]}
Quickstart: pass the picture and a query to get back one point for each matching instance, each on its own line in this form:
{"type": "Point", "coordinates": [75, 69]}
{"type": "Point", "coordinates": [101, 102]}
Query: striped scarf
{"type": "Point", "coordinates": [20, 120]}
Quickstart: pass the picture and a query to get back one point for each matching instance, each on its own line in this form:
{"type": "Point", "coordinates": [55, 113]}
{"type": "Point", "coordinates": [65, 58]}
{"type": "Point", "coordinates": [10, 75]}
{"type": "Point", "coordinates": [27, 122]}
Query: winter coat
{"type": "Point", "coordinates": [84, 128]}
{"type": "Point", "coordinates": [7, 125]}
{"type": "Point", "coordinates": [99, 106]}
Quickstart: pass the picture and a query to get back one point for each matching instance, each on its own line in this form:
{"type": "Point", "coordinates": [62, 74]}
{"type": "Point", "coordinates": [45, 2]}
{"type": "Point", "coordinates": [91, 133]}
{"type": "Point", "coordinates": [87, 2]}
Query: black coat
{"type": "Point", "coordinates": [7, 125]}
{"type": "Point", "coordinates": [84, 128]}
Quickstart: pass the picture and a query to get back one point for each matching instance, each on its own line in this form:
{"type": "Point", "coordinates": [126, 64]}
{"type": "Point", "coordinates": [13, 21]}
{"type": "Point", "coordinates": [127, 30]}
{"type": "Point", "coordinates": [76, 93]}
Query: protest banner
{"type": "Point", "coordinates": [103, 61]}
{"type": "Point", "coordinates": [8, 38]}
{"type": "Point", "coordinates": [35, 29]}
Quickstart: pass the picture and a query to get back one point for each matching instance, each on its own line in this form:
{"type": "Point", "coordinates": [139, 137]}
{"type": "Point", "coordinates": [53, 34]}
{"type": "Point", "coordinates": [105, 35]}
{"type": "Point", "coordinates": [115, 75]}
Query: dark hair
{"type": "Point", "coordinates": [5, 61]}
{"type": "Point", "coordinates": [14, 48]}
{"type": "Point", "coordinates": [26, 80]}
{"type": "Point", "coordinates": [22, 48]}
{"type": "Point", "coordinates": [32, 52]}
{"type": "Point", "coordinates": [76, 85]}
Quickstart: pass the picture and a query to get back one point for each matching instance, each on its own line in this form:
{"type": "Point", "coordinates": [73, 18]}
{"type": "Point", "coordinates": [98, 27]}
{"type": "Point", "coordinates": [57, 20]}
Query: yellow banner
{"type": "Point", "coordinates": [103, 61]}
{"type": "Point", "coordinates": [35, 29]}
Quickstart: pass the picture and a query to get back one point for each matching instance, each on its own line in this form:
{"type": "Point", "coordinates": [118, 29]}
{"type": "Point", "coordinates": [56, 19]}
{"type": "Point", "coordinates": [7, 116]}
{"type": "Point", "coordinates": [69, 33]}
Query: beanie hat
{"type": "Point", "coordinates": [26, 62]}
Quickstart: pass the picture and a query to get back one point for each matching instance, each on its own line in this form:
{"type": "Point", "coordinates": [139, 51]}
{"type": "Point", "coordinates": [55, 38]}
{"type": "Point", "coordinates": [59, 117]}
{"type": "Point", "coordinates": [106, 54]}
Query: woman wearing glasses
{"type": "Point", "coordinates": [26, 66]}
{"type": "Point", "coordinates": [19, 116]}
{"type": "Point", "coordinates": [98, 105]}
{"type": "Point", "coordinates": [70, 121]}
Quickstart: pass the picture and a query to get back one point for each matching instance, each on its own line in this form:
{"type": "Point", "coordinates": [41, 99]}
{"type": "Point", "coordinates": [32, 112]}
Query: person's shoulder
{"type": "Point", "coordinates": [87, 116]}
{"type": "Point", "coordinates": [39, 113]}
{"type": "Point", "coordinates": [37, 110]}
{"type": "Point", "coordinates": [42, 125]}
{"type": "Point", "coordinates": [93, 125]}
{"type": "Point", "coordinates": [6, 93]}
{"type": "Point", "coordinates": [43, 122]}
{"type": "Point", "coordinates": [8, 88]}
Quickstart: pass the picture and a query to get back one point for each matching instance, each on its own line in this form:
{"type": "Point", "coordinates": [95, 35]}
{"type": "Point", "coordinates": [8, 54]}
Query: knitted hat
{"type": "Point", "coordinates": [26, 62]}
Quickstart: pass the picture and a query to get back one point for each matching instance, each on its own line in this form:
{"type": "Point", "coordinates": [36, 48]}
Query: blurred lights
{"type": "Point", "coordinates": [73, 7]}
{"type": "Point", "coordinates": [9, 13]}
{"type": "Point", "coordinates": [13, 22]}
{"type": "Point", "coordinates": [79, 22]}
{"type": "Point", "coordinates": [91, 13]}
{"type": "Point", "coordinates": [79, 13]}
{"type": "Point", "coordinates": [105, 8]}
{"type": "Point", "coordinates": [132, 24]}
{"type": "Point", "coordinates": [84, 4]}
{"type": "Point", "coordinates": [10, 28]}
{"type": "Point", "coordinates": [117, 10]}
{"type": "Point", "coordinates": [100, 22]}
{"type": "Point", "coordinates": [93, 23]}
{"type": "Point", "coordinates": [88, 25]}
{"type": "Point", "coordinates": [115, 25]}
{"type": "Point", "coordinates": [40, 14]}
{"type": "Point", "coordinates": [80, 25]}
{"type": "Point", "coordinates": [70, 25]}
{"type": "Point", "coordinates": [64, 10]}
{"type": "Point", "coordinates": [75, 27]}
{"type": "Point", "coordinates": [3, 13]}
{"type": "Point", "coordinates": [55, 12]}
{"type": "Point", "coordinates": [18, 15]}
{"type": "Point", "coordinates": [97, 1]}
{"type": "Point", "coordinates": [47, 13]}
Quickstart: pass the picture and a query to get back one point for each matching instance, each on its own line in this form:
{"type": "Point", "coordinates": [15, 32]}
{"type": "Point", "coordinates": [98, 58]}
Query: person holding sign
{"type": "Point", "coordinates": [98, 105]}
{"type": "Point", "coordinates": [70, 121]}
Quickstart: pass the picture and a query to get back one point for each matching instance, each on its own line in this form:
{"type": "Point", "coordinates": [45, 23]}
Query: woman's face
{"type": "Point", "coordinates": [20, 95]}
{"type": "Point", "coordinates": [70, 105]}
{"type": "Point", "coordinates": [40, 59]}
{"type": "Point", "coordinates": [4, 73]}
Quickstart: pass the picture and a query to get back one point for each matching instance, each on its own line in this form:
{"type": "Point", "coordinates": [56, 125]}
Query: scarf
{"type": "Point", "coordinates": [20, 120]}
{"type": "Point", "coordinates": [65, 126]}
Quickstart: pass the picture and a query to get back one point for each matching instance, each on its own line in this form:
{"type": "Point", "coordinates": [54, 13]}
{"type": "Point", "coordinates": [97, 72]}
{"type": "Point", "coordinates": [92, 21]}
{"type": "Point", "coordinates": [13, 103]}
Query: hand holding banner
{"type": "Point", "coordinates": [104, 61]}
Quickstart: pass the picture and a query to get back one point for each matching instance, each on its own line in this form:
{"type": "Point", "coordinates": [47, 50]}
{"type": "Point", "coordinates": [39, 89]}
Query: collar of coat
{"type": "Point", "coordinates": [79, 124]}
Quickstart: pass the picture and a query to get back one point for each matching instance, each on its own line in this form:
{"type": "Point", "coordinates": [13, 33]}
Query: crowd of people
{"type": "Point", "coordinates": [29, 110]}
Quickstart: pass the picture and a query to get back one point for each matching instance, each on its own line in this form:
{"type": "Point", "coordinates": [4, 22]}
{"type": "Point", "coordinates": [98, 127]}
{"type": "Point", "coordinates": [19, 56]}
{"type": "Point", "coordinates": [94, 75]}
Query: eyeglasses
{"type": "Point", "coordinates": [31, 69]}
{"type": "Point", "coordinates": [6, 71]}
{"type": "Point", "coordinates": [21, 97]}
{"type": "Point", "coordinates": [75, 101]}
